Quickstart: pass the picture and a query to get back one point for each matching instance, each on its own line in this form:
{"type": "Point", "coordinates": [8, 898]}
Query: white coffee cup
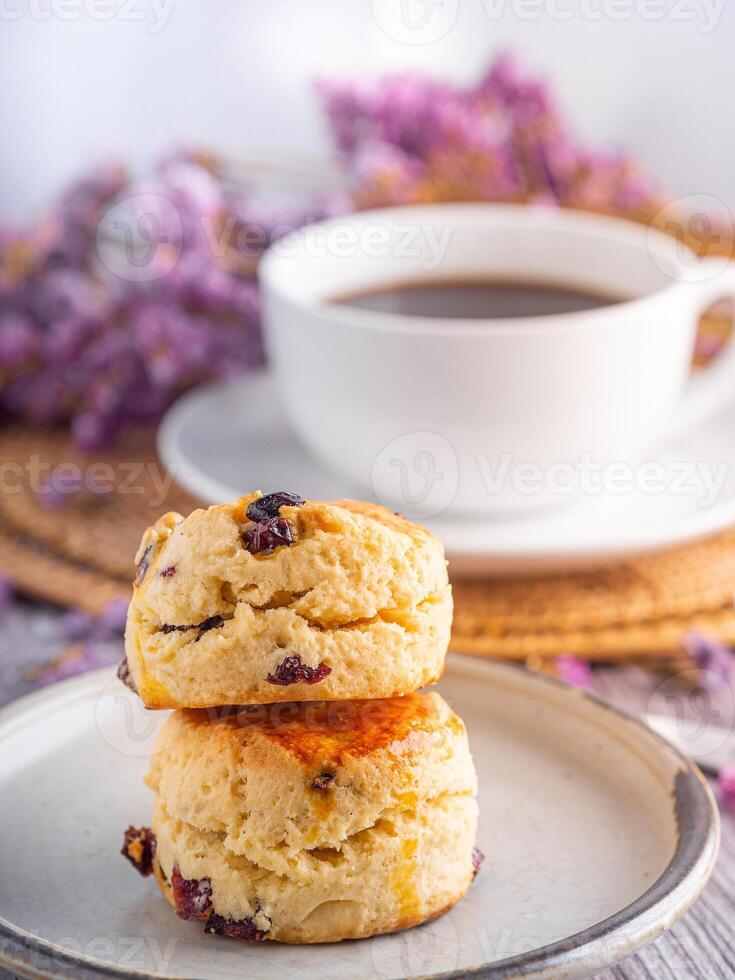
{"type": "Point", "coordinates": [434, 415]}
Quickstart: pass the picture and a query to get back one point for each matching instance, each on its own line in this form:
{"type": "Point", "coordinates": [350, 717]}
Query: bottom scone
{"type": "Point", "coordinates": [312, 822]}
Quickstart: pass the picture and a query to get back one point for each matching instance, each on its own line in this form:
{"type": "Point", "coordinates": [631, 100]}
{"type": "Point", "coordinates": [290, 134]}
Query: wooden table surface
{"type": "Point", "coordinates": [700, 947]}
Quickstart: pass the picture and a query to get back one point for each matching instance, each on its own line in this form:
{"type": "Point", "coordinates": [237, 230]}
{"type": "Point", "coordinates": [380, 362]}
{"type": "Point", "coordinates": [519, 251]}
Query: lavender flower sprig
{"type": "Point", "coordinates": [408, 139]}
{"type": "Point", "coordinates": [713, 658]}
{"type": "Point", "coordinates": [574, 671]}
{"type": "Point", "coordinates": [726, 788]}
{"type": "Point", "coordinates": [83, 346]}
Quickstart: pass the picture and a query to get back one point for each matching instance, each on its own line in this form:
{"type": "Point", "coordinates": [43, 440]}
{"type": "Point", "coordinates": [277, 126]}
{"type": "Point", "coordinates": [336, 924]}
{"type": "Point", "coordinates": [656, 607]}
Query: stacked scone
{"type": "Point", "coordinates": [305, 791]}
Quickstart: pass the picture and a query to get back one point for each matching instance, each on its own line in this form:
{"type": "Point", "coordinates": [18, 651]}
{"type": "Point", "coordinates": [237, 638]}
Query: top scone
{"type": "Point", "coordinates": [278, 599]}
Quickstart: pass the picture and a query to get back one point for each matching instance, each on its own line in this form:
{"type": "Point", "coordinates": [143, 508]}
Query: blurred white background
{"type": "Point", "coordinates": [81, 80]}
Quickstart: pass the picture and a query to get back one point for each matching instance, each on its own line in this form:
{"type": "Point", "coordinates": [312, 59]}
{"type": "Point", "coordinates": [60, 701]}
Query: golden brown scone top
{"type": "Point", "coordinates": [311, 516]}
{"type": "Point", "coordinates": [324, 732]}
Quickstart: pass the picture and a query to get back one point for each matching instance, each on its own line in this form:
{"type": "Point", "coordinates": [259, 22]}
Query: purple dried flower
{"type": "Point", "coordinates": [713, 658]}
{"type": "Point", "coordinates": [477, 858]}
{"type": "Point", "coordinates": [99, 353]}
{"type": "Point", "coordinates": [51, 496]}
{"type": "Point", "coordinates": [75, 625]}
{"type": "Point", "coordinates": [292, 671]}
{"type": "Point", "coordinates": [110, 622]}
{"type": "Point", "coordinates": [111, 619]}
{"type": "Point", "coordinates": [19, 340]}
{"type": "Point", "coordinates": [411, 139]}
{"type": "Point", "coordinates": [574, 671]}
{"type": "Point", "coordinates": [92, 431]}
{"type": "Point", "coordinates": [71, 228]}
{"type": "Point", "coordinates": [78, 659]}
{"type": "Point", "coordinates": [726, 788]}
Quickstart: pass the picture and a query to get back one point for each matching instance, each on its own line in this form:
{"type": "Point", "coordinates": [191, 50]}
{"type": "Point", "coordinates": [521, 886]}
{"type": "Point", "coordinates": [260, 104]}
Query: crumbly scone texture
{"type": "Point", "coordinates": [360, 591]}
{"type": "Point", "coordinates": [318, 821]}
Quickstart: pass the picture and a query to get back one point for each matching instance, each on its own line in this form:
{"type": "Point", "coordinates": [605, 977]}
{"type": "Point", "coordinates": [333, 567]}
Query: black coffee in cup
{"type": "Point", "coordinates": [475, 299]}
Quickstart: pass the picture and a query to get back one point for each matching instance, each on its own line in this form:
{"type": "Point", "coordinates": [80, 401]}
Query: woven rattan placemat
{"type": "Point", "coordinates": [70, 525]}
{"type": "Point", "coordinates": [637, 610]}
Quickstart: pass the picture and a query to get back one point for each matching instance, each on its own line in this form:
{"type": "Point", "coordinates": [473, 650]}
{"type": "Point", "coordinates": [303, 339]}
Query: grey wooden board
{"type": "Point", "coordinates": [700, 947]}
{"type": "Point", "coordinates": [702, 944]}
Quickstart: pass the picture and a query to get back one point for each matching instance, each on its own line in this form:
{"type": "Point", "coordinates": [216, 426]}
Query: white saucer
{"type": "Point", "coordinates": [222, 440]}
{"type": "Point", "coordinates": [598, 836]}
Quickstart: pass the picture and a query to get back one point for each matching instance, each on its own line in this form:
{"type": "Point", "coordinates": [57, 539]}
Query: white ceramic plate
{"type": "Point", "coordinates": [598, 836]}
{"type": "Point", "coordinates": [222, 440]}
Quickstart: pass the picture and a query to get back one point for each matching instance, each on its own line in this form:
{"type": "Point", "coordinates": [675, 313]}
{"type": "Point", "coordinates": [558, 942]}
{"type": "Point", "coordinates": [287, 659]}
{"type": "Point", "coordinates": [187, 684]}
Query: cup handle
{"type": "Point", "coordinates": [714, 386]}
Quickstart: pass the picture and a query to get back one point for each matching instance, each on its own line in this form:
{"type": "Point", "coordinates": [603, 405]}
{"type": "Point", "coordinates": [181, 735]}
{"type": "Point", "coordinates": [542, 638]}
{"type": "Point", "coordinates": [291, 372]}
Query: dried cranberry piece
{"type": "Point", "coordinates": [235, 928]}
{"type": "Point", "coordinates": [192, 896]}
{"type": "Point", "coordinates": [139, 847]}
{"type": "Point", "coordinates": [263, 537]}
{"type": "Point", "coordinates": [209, 624]}
{"type": "Point", "coordinates": [270, 505]}
{"type": "Point", "coordinates": [323, 781]}
{"type": "Point", "coordinates": [292, 671]}
{"type": "Point", "coordinates": [168, 571]}
{"type": "Point", "coordinates": [477, 858]}
{"type": "Point", "coordinates": [123, 672]}
{"type": "Point", "coordinates": [143, 564]}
